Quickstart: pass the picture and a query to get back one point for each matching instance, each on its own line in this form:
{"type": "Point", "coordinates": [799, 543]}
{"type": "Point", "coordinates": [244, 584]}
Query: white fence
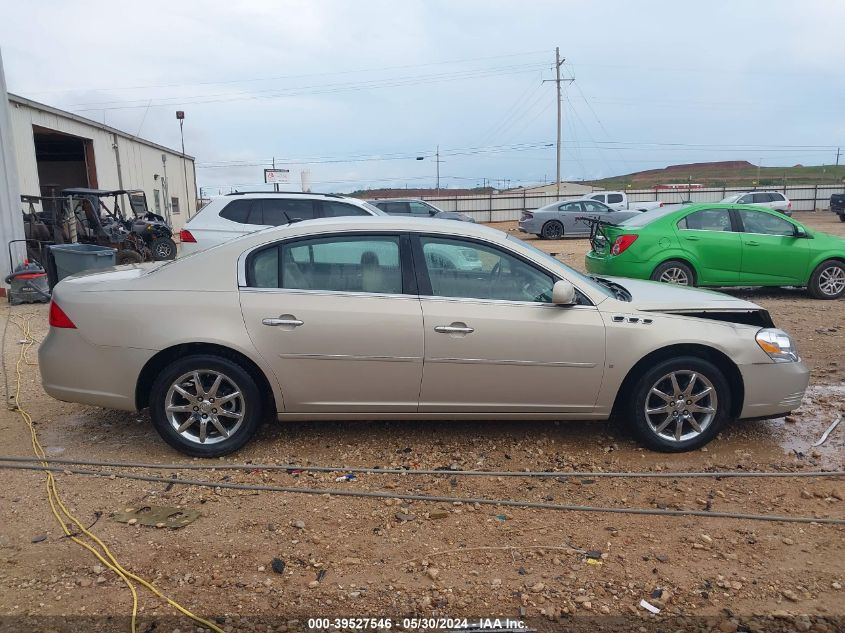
{"type": "Point", "coordinates": [503, 207]}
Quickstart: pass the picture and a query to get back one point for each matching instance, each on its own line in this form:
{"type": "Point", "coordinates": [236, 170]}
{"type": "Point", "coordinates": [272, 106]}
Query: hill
{"type": "Point", "coordinates": [733, 173]}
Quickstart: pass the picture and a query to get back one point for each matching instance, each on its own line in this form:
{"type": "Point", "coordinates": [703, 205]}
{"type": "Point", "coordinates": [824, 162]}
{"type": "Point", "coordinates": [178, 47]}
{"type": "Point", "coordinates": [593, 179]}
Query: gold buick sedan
{"type": "Point", "coordinates": [396, 318]}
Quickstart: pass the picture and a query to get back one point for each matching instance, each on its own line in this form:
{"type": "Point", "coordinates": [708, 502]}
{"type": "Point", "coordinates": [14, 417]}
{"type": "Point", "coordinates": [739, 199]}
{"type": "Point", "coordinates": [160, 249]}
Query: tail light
{"type": "Point", "coordinates": [185, 236]}
{"type": "Point", "coordinates": [660, 205]}
{"type": "Point", "coordinates": [622, 243]}
{"type": "Point", "coordinates": [789, 206]}
{"type": "Point", "coordinates": [527, 215]}
{"type": "Point", "coordinates": [58, 318]}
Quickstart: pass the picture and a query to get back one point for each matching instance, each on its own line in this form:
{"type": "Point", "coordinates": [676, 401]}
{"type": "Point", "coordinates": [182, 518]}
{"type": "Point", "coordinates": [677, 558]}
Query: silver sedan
{"type": "Point", "coordinates": [373, 318]}
{"type": "Point", "coordinates": [560, 219]}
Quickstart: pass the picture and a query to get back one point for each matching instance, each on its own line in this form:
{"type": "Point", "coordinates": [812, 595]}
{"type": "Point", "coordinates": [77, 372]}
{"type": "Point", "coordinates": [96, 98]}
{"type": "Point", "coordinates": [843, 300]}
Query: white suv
{"type": "Point", "coordinates": [237, 214]}
{"type": "Point", "coordinates": [770, 199]}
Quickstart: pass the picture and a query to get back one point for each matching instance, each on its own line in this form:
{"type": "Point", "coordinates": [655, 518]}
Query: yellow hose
{"type": "Point", "coordinates": [58, 508]}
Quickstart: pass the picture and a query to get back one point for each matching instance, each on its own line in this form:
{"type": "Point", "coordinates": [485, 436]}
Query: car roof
{"type": "Point", "coordinates": [286, 194]}
{"type": "Point", "coordinates": [374, 200]}
{"type": "Point", "coordinates": [319, 226]}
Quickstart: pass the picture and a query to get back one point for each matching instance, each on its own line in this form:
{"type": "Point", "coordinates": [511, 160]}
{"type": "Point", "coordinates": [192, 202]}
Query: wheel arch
{"type": "Point", "coordinates": [820, 259]}
{"type": "Point", "coordinates": [158, 362]}
{"type": "Point", "coordinates": [684, 259]}
{"type": "Point", "coordinates": [556, 221]}
{"type": "Point", "coordinates": [715, 356]}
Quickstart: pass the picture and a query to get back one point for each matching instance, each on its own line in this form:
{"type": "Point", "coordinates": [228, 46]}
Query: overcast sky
{"type": "Point", "coordinates": [354, 91]}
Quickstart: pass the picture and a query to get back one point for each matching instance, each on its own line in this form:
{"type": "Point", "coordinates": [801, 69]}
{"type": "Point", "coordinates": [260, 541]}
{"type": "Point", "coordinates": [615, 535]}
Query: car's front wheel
{"type": "Point", "coordinates": [679, 404]}
{"type": "Point", "coordinates": [552, 230]}
{"type": "Point", "coordinates": [828, 280]}
{"type": "Point", "coordinates": [205, 405]}
{"type": "Point", "coordinates": [163, 248]}
{"type": "Point", "coordinates": [674, 272]}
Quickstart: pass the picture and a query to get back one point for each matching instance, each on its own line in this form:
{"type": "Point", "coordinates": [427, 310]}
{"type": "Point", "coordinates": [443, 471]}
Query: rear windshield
{"type": "Point", "coordinates": [647, 217]}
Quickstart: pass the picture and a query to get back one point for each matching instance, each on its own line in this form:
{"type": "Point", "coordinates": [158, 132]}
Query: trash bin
{"type": "Point", "coordinates": [69, 259]}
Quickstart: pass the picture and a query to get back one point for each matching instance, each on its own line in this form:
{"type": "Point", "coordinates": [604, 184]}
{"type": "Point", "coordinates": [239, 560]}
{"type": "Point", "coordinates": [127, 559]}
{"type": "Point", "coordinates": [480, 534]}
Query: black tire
{"type": "Point", "coordinates": [641, 393]}
{"type": "Point", "coordinates": [842, 217]}
{"type": "Point", "coordinates": [163, 248]}
{"type": "Point", "coordinates": [827, 280]}
{"type": "Point", "coordinates": [674, 268]}
{"type": "Point", "coordinates": [552, 230]}
{"type": "Point", "coordinates": [236, 378]}
{"type": "Point", "coordinates": [128, 257]}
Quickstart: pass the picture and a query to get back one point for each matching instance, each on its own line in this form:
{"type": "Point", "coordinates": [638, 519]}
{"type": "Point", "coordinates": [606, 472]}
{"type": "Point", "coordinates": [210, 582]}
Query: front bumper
{"type": "Point", "coordinates": [74, 370]}
{"type": "Point", "coordinates": [773, 389]}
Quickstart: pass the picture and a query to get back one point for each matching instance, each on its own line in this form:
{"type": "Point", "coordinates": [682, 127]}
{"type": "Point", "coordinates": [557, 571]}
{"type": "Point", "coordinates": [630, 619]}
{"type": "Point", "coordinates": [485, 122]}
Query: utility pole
{"type": "Point", "coordinates": [437, 160]}
{"type": "Point", "coordinates": [275, 184]}
{"type": "Point", "coordinates": [837, 156]}
{"type": "Point", "coordinates": [558, 63]}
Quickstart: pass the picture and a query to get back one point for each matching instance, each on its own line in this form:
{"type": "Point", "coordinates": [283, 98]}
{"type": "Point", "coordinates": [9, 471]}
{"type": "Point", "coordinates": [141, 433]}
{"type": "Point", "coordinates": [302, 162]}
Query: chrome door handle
{"type": "Point", "coordinates": [290, 322]}
{"type": "Point", "coordinates": [454, 329]}
{"type": "Point", "coordinates": [752, 243]}
{"type": "Point", "coordinates": [692, 238]}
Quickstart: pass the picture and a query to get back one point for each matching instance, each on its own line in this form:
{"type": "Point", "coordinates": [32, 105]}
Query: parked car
{"type": "Point", "coordinates": [236, 214]}
{"type": "Point", "coordinates": [418, 208]}
{"type": "Point", "coordinates": [285, 321]}
{"type": "Point", "coordinates": [837, 205]}
{"type": "Point", "coordinates": [562, 219]}
{"type": "Point", "coordinates": [770, 199]}
{"type": "Point", "coordinates": [722, 245]}
{"type": "Point", "coordinates": [619, 200]}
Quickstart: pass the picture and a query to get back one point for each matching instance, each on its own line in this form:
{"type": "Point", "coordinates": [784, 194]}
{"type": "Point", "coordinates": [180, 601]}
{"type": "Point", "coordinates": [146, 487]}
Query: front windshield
{"type": "Point", "coordinates": [577, 277]}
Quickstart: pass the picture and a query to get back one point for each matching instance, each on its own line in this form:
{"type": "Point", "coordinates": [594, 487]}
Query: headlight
{"type": "Point", "coordinates": [778, 345]}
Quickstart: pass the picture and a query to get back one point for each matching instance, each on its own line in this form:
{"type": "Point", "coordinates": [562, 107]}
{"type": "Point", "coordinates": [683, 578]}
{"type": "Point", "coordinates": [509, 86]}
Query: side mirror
{"type": "Point", "coordinates": [432, 212]}
{"type": "Point", "coordinates": [563, 293]}
{"type": "Point", "coordinates": [800, 232]}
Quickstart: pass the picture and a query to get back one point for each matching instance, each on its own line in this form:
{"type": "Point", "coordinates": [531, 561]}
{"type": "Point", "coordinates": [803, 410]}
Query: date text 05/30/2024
{"type": "Point", "coordinates": [437, 624]}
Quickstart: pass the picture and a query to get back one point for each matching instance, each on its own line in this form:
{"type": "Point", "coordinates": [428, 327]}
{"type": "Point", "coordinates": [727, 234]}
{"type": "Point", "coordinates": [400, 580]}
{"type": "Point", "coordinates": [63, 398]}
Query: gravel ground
{"type": "Point", "coordinates": [348, 557]}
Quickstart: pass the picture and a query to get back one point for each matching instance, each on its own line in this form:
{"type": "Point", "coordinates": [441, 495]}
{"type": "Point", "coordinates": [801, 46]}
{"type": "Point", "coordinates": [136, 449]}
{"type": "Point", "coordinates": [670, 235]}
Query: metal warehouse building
{"type": "Point", "coordinates": [57, 149]}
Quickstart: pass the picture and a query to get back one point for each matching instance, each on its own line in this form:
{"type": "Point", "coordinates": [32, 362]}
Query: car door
{"type": "Point", "coordinates": [714, 246]}
{"type": "Point", "coordinates": [338, 319]}
{"type": "Point", "coordinates": [569, 212]}
{"type": "Point", "coordinates": [493, 341]}
{"type": "Point", "coordinates": [615, 201]}
{"type": "Point", "coordinates": [772, 252]}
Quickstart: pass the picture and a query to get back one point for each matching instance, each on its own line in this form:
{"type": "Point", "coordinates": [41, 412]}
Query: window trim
{"type": "Point", "coordinates": [424, 281]}
{"type": "Point", "coordinates": [409, 287]}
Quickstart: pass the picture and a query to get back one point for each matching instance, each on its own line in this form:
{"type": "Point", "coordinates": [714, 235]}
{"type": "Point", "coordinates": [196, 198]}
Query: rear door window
{"type": "Point", "coordinates": [707, 220]}
{"type": "Point", "coordinates": [346, 263]}
{"type": "Point", "coordinates": [395, 208]}
{"type": "Point", "coordinates": [614, 198]}
{"type": "Point", "coordinates": [570, 207]}
{"type": "Point", "coordinates": [280, 211]}
{"type": "Point", "coordinates": [761, 198]}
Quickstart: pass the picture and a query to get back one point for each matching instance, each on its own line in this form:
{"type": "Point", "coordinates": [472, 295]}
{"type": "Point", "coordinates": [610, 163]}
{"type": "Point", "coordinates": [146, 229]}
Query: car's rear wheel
{"type": "Point", "coordinates": [552, 230]}
{"type": "Point", "coordinates": [674, 272]}
{"type": "Point", "coordinates": [679, 405]}
{"type": "Point", "coordinates": [205, 405]}
{"type": "Point", "coordinates": [842, 217]}
{"type": "Point", "coordinates": [828, 280]}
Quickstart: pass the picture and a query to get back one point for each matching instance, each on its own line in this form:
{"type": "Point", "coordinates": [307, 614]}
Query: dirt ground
{"type": "Point", "coordinates": [380, 558]}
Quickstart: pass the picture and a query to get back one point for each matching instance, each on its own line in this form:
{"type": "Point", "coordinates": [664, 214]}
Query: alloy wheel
{"type": "Point", "coordinates": [205, 406]}
{"type": "Point", "coordinates": [163, 251]}
{"type": "Point", "coordinates": [681, 405]}
{"type": "Point", "coordinates": [675, 275]}
{"type": "Point", "coordinates": [832, 280]}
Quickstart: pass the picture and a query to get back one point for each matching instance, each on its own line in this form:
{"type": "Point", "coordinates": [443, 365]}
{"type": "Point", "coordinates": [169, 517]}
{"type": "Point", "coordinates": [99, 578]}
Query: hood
{"type": "Point", "coordinates": [654, 296]}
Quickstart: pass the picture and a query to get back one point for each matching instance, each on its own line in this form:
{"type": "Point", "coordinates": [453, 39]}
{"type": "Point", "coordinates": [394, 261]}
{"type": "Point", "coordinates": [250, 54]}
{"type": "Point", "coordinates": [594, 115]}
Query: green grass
{"type": "Point", "coordinates": [723, 175]}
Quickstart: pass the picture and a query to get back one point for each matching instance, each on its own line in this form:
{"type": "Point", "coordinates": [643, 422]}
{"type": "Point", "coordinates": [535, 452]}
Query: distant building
{"type": "Point", "coordinates": [57, 149]}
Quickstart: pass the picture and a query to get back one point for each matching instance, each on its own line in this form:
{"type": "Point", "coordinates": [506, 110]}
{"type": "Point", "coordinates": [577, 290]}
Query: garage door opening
{"type": "Point", "coordinates": [63, 161]}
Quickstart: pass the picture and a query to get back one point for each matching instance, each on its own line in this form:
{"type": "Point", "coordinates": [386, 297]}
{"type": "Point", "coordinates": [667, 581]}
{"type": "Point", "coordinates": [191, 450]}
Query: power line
{"type": "Point", "coordinates": [281, 77]}
{"type": "Point", "coordinates": [315, 89]}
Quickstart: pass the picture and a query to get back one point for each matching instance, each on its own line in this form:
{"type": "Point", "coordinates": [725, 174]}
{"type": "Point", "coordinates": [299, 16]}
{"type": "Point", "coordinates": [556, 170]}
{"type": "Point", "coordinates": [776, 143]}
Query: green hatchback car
{"type": "Point", "coordinates": [721, 245]}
